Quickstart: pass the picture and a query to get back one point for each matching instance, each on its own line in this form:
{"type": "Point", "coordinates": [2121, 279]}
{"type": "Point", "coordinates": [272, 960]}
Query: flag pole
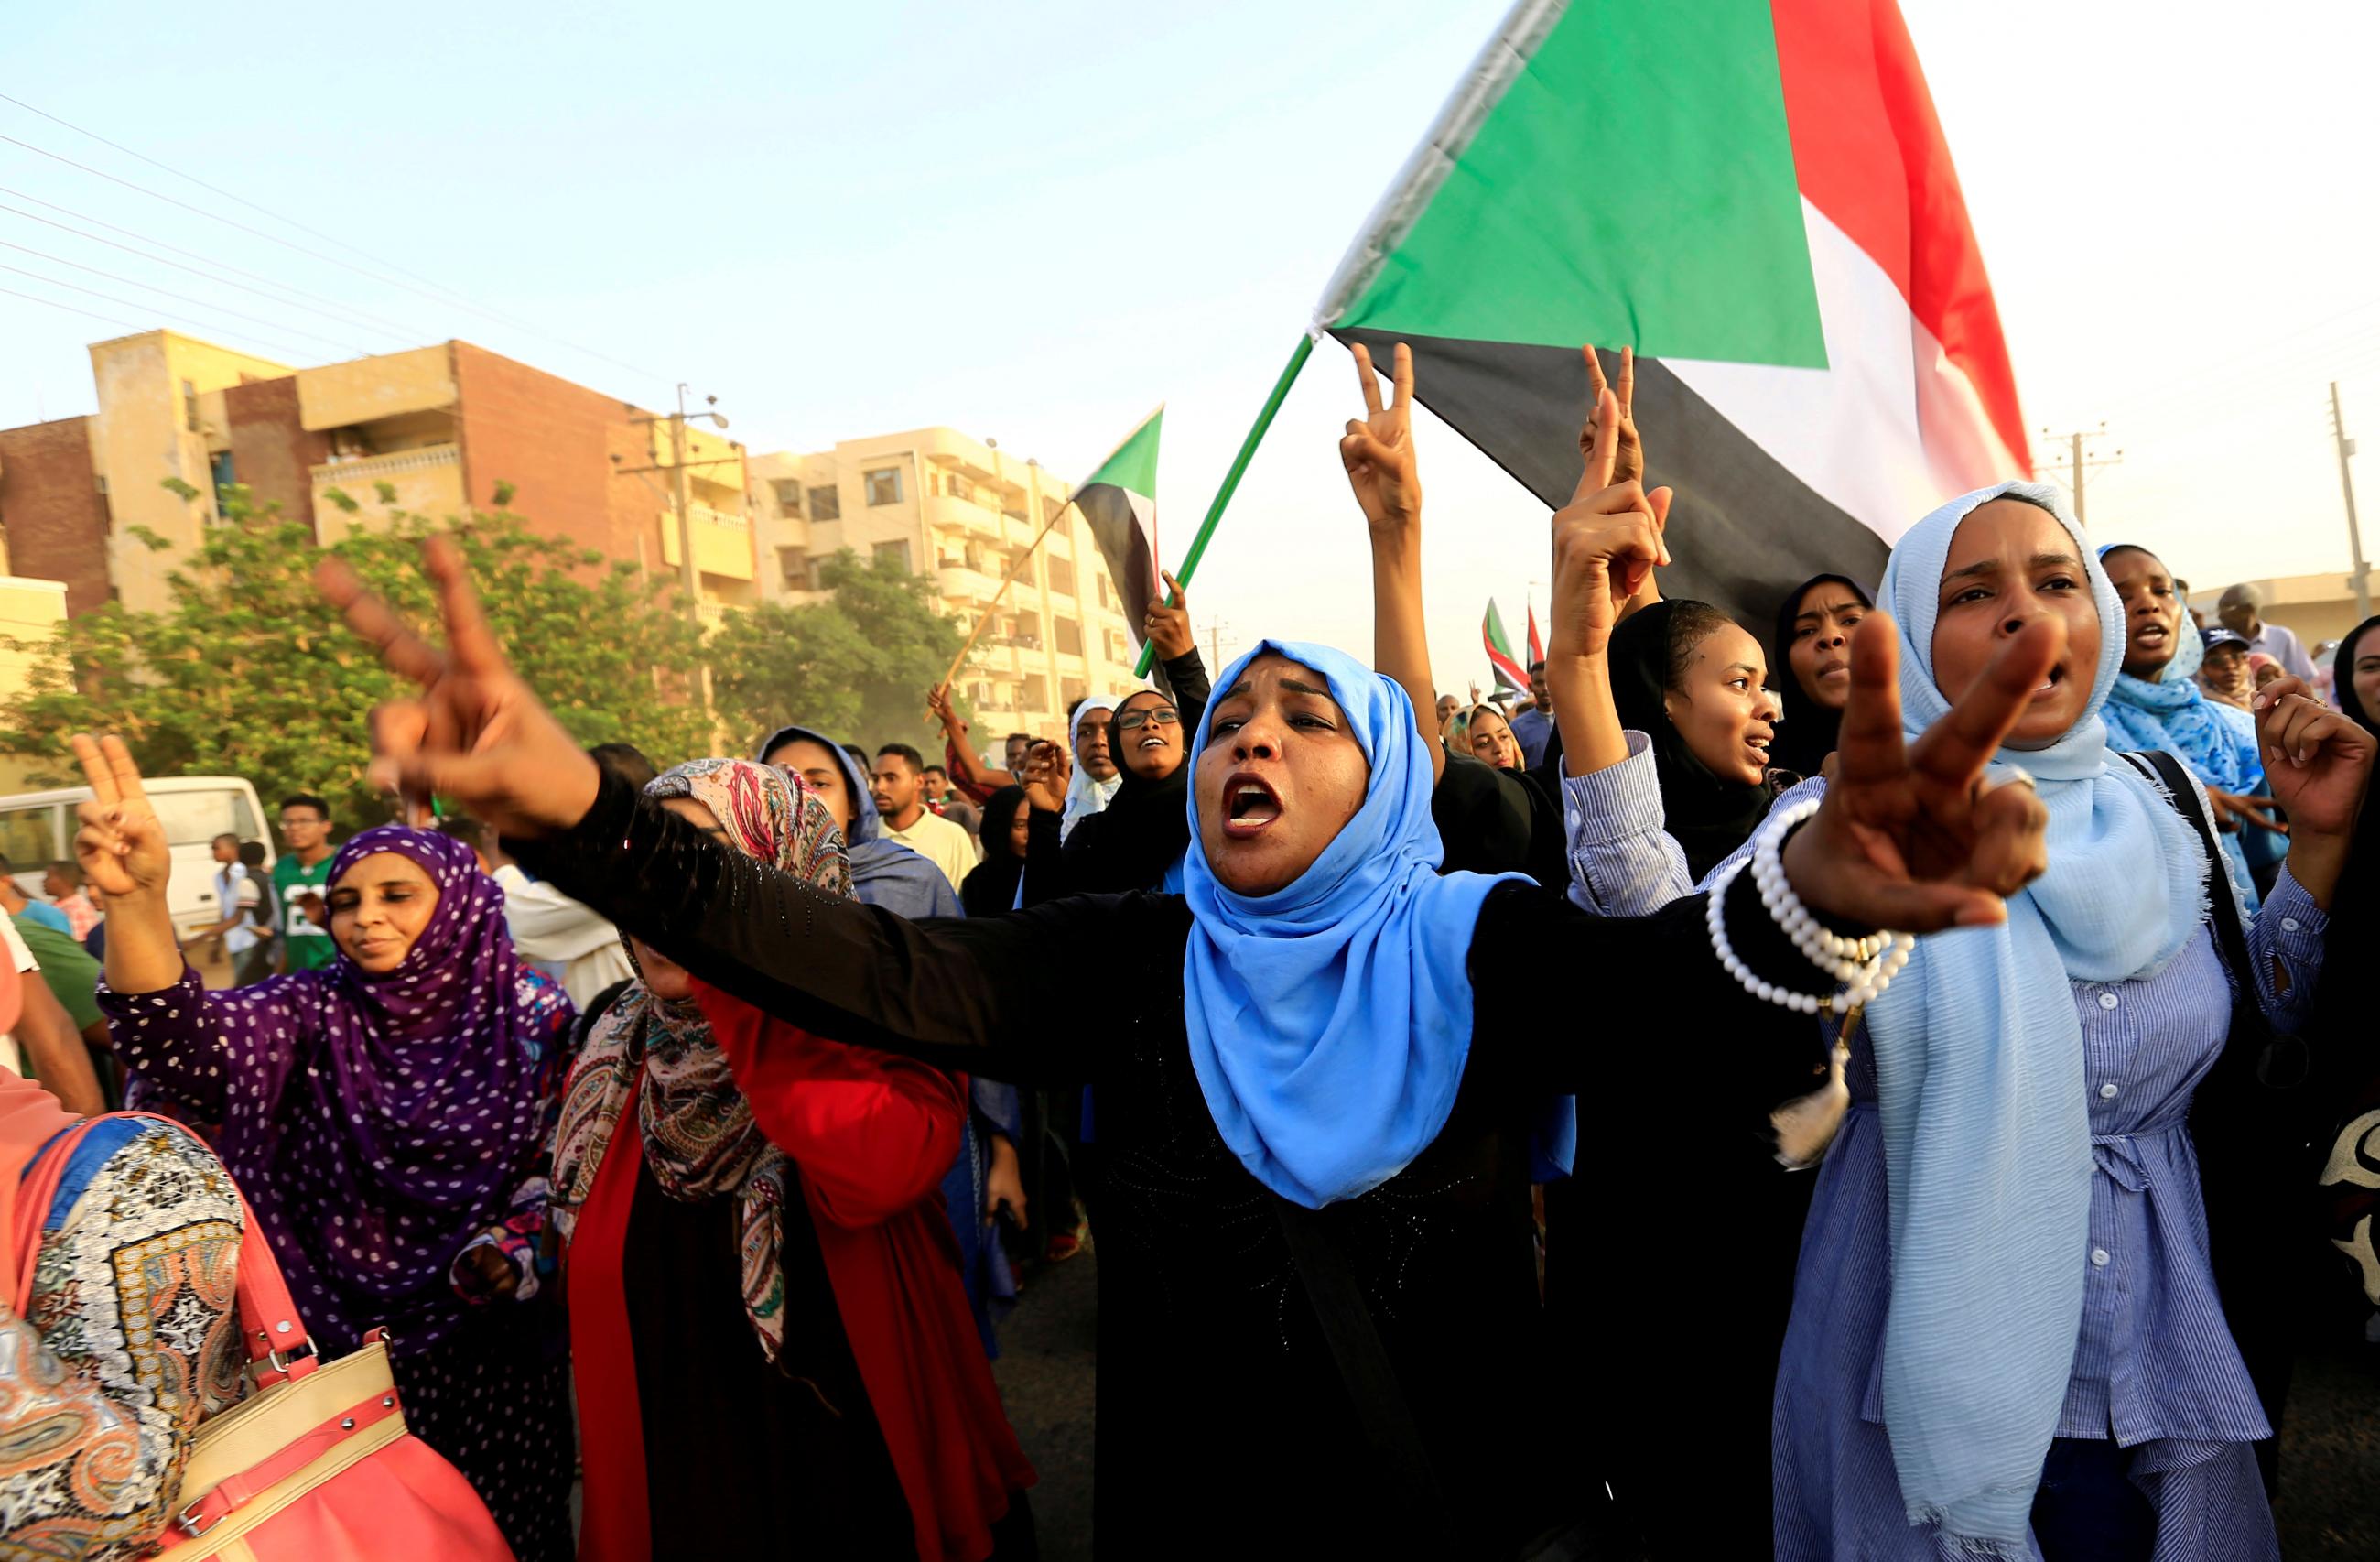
{"type": "Point", "coordinates": [1231, 483]}
{"type": "Point", "coordinates": [997, 597]}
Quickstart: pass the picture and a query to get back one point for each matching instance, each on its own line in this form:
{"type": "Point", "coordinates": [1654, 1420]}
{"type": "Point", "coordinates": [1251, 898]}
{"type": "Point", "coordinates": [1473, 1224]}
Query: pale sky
{"type": "Point", "coordinates": [1035, 222]}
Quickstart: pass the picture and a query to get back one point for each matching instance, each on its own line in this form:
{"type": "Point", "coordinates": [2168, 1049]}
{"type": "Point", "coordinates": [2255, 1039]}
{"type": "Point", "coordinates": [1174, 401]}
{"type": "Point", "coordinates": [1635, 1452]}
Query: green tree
{"type": "Point", "coordinates": [858, 665]}
{"type": "Point", "coordinates": [247, 671]}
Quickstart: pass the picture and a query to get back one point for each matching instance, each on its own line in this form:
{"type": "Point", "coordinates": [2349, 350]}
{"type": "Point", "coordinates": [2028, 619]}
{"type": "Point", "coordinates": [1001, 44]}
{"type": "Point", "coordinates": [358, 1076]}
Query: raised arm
{"type": "Point", "coordinates": [972, 774]}
{"type": "Point", "coordinates": [1607, 543]}
{"type": "Point", "coordinates": [1185, 673]}
{"type": "Point", "coordinates": [974, 996]}
{"type": "Point", "coordinates": [1378, 454]}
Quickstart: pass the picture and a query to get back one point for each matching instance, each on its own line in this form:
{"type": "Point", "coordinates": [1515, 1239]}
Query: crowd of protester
{"type": "Point", "coordinates": [1868, 1091]}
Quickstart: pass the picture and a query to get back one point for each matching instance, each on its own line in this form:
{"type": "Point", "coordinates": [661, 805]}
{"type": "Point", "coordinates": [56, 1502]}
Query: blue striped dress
{"type": "Point", "coordinates": [2154, 1368]}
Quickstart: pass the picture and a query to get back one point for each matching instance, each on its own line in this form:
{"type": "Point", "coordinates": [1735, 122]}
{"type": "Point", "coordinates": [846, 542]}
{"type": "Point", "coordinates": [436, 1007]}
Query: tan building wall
{"type": "Point", "coordinates": [35, 611]}
{"type": "Point", "coordinates": [443, 428]}
{"type": "Point", "coordinates": [156, 394]}
{"type": "Point", "coordinates": [962, 513]}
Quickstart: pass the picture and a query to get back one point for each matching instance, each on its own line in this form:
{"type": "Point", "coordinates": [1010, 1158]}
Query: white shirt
{"type": "Point", "coordinates": [233, 894]}
{"type": "Point", "coordinates": [551, 929]}
{"type": "Point", "coordinates": [935, 838]}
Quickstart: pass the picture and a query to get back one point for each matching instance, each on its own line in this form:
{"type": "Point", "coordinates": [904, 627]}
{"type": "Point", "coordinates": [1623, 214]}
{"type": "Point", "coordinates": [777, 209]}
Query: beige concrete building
{"type": "Point", "coordinates": [438, 429]}
{"type": "Point", "coordinates": [31, 612]}
{"type": "Point", "coordinates": [960, 512]}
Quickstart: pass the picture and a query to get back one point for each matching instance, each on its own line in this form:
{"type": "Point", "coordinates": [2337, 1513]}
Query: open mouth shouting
{"type": "Point", "coordinates": [1755, 744]}
{"type": "Point", "coordinates": [1250, 806]}
{"type": "Point", "coordinates": [2058, 675]}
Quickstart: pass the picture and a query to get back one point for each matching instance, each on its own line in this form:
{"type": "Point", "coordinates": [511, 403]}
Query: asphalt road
{"type": "Point", "coordinates": [2330, 1445]}
{"type": "Point", "coordinates": [1048, 1371]}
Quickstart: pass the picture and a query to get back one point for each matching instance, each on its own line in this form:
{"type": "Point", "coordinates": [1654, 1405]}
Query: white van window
{"type": "Point", "coordinates": [27, 837]}
{"type": "Point", "coordinates": [197, 818]}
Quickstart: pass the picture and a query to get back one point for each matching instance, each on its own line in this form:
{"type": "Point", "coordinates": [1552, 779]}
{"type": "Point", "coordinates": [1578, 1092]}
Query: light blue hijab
{"type": "Point", "coordinates": [1329, 1020]}
{"type": "Point", "coordinates": [1980, 1085]}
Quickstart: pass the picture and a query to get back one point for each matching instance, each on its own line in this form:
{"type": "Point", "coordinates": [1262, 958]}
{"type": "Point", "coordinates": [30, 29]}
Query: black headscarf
{"type": "Point", "coordinates": [2355, 909]}
{"type": "Point", "coordinates": [1808, 734]}
{"type": "Point", "coordinates": [1707, 817]}
{"type": "Point", "coordinates": [990, 886]}
{"type": "Point", "coordinates": [1144, 828]}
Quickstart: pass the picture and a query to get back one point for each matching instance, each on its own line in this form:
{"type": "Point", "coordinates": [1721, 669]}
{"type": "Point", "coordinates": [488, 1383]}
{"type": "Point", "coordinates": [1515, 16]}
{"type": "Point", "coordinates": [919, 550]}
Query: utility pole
{"type": "Point", "coordinates": [689, 572]}
{"type": "Point", "coordinates": [2080, 463]}
{"type": "Point", "coordinates": [2362, 576]}
{"type": "Point", "coordinates": [1215, 627]}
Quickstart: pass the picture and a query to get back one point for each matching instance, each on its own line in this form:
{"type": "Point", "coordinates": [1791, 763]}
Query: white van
{"type": "Point", "coordinates": [38, 828]}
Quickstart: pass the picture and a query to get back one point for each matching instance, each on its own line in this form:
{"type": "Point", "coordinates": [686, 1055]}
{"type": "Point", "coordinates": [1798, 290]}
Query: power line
{"type": "Point", "coordinates": [203, 303]}
{"type": "Point", "coordinates": [2080, 463]}
{"type": "Point", "coordinates": [402, 333]}
{"type": "Point", "coordinates": [281, 348]}
{"type": "Point", "coordinates": [87, 314]}
{"type": "Point", "coordinates": [450, 299]}
{"type": "Point", "coordinates": [214, 189]}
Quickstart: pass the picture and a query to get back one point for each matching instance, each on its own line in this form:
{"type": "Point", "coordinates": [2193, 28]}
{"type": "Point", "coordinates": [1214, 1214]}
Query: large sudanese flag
{"type": "Point", "coordinates": [1757, 196]}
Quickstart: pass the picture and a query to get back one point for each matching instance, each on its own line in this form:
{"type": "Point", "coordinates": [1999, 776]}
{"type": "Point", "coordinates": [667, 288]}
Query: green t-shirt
{"type": "Point", "coordinates": [67, 969]}
{"type": "Point", "coordinates": [309, 942]}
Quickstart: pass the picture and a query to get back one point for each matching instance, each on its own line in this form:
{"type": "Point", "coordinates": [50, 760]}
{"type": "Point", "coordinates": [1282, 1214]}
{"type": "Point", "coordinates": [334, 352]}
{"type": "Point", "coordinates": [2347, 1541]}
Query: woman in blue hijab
{"type": "Point", "coordinates": [2033, 1312]}
{"type": "Point", "coordinates": [1317, 1264]}
{"type": "Point", "coordinates": [2156, 702]}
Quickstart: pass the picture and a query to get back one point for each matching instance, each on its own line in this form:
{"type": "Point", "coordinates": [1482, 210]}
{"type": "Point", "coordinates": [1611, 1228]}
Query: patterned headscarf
{"type": "Point", "coordinates": [417, 1110]}
{"type": "Point", "coordinates": [696, 1128]}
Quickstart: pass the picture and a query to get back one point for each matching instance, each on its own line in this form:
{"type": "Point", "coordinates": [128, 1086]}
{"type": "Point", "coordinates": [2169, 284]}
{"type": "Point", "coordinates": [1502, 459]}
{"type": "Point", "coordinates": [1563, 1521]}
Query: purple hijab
{"type": "Point", "coordinates": [408, 1109]}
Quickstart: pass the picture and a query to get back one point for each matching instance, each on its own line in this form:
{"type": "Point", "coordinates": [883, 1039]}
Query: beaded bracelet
{"type": "Point", "coordinates": [1864, 967]}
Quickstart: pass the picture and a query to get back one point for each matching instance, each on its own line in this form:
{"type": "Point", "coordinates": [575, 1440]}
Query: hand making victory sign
{"type": "Point", "coordinates": [1378, 450]}
{"type": "Point", "coordinates": [476, 734]}
{"type": "Point", "coordinates": [1628, 462]}
{"type": "Point", "coordinates": [1606, 541]}
{"type": "Point", "coordinates": [1911, 837]}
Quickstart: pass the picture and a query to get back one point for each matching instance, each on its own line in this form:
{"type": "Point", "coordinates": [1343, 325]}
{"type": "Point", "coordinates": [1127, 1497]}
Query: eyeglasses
{"type": "Point", "coordinates": [1158, 716]}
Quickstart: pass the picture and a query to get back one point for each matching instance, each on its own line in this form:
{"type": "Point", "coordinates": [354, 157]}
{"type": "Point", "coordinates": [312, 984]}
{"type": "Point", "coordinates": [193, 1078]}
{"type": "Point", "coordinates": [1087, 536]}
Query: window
{"type": "Point", "coordinates": [826, 503]}
{"type": "Point", "coordinates": [1075, 690]}
{"type": "Point", "coordinates": [883, 485]}
{"type": "Point", "coordinates": [190, 406]}
{"type": "Point", "coordinates": [1107, 593]}
{"type": "Point", "coordinates": [1070, 636]}
{"type": "Point", "coordinates": [1050, 508]}
{"type": "Point", "coordinates": [1061, 577]}
{"type": "Point", "coordinates": [789, 497]}
{"type": "Point", "coordinates": [793, 565]}
{"type": "Point", "coordinates": [1117, 649]}
{"type": "Point", "coordinates": [1037, 694]}
{"type": "Point", "coordinates": [893, 553]}
{"type": "Point", "coordinates": [220, 467]}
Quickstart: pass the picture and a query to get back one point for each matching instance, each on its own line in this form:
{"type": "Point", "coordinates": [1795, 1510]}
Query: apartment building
{"type": "Point", "coordinates": [442, 427]}
{"type": "Point", "coordinates": [960, 512]}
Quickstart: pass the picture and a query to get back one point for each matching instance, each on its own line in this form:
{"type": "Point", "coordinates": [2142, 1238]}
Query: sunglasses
{"type": "Point", "coordinates": [1158, 715]}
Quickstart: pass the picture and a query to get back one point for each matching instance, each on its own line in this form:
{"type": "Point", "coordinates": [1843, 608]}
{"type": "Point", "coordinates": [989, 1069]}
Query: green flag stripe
{"type": "Point", "coordinates": [1632, 182]}
{"type": "Point", "coordinates": [1134, 466]}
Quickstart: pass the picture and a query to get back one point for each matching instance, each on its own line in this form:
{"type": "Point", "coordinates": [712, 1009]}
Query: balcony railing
{"type": "Point", "coordinates": [381, 469]}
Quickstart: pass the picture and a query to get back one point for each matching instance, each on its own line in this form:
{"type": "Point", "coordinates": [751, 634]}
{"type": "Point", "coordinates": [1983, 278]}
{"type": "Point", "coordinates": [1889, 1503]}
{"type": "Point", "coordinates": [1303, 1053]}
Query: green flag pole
{"type": "Point", "coordinates": [1231, 483]}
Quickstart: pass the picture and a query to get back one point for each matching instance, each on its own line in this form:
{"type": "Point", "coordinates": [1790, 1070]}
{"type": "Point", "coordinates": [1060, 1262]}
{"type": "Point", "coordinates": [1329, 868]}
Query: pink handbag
{"type": "Point", "coordinates": [317, 1465]}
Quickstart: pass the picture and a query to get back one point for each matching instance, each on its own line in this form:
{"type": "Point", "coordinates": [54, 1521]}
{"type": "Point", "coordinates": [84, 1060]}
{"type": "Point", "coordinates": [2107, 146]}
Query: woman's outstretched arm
{"type": "Point", "coordinates": [984, 996]}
